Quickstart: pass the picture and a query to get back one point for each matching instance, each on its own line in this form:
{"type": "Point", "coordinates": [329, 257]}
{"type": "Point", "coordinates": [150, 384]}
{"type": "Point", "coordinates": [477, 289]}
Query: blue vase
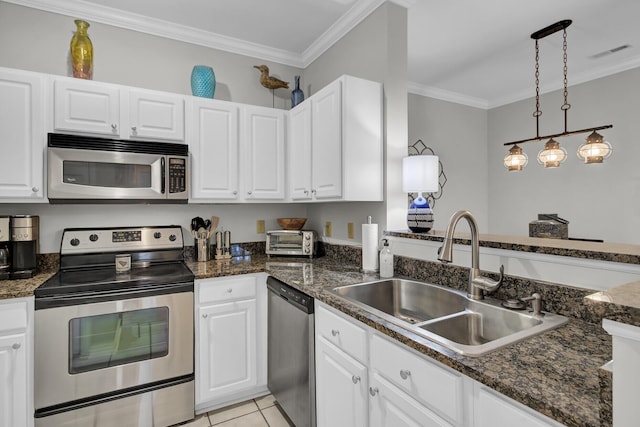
{"type": "Point", "coordinates": [203, 81]}
{"type": "Point", "coordinates": [297, 95]}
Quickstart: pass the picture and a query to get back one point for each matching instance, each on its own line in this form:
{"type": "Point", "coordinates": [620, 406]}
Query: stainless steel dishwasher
{"type": "Point", "coordinates": [291, 354]}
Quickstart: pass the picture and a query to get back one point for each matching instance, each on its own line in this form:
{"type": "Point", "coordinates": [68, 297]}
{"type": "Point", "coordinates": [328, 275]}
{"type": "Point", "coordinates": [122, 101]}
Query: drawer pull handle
{"type": "Point", "coordinates": [373, 391]}
{"type": "Point", "coordinates": [405, 373]}
{"type": "Point", "coordinates": [15, 346]}
{"type": "Point", "coordinates": [335, 332]}
{"type": "Point", "coordinates": [355, 379]}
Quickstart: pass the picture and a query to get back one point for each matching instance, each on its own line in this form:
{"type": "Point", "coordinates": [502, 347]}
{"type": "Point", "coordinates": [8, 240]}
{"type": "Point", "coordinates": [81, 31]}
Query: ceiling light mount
{"type": "Point", "coordinates": [552, 155]}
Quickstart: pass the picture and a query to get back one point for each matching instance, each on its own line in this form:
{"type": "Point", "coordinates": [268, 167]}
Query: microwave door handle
{"type": "Point", "coordinates": [162, 175]}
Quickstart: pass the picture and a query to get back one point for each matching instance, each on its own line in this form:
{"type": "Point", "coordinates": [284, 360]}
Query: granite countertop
{"type": "Point", "coordinates": [556, 373]}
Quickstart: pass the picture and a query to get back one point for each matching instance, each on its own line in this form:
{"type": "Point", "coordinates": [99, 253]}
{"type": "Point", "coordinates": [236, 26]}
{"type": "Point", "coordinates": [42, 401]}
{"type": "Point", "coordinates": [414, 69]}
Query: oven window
{"type": "Point", "coordinates": [113, 175]}
{"type": "Point", "coordinates": [290, 242]}
{"type": "Point", "coordinates": [98, 342]}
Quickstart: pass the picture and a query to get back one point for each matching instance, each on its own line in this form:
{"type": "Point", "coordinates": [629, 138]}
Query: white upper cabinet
{"type": "Point", "coordinates": [213, 144]}
{"type": "Point", "coordinates": [262, 144]}
{"type": "Point", "coordinates": [22, 125]}
{"type": "Point", "coordinates": [335, 143]}
{"type": "Point", "coordinates": [85, 106]}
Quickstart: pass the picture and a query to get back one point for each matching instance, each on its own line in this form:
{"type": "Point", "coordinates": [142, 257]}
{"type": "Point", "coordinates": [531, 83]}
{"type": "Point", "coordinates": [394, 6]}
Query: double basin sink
{"type": "Point", "coordinates": [447, 316]}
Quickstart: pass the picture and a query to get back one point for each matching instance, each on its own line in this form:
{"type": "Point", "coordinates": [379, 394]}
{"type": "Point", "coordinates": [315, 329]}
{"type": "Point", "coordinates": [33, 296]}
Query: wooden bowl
{"type": "Point", "coordinates": [291, 223]}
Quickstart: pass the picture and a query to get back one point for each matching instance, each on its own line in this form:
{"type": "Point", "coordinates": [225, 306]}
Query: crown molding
{"type": "Point", "coordinates": [157, 27]}
{"type": "Point", "coordinates": [445, 95]}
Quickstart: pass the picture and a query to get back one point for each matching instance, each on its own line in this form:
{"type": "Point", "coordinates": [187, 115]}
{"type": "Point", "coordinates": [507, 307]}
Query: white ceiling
{"type": "Point", "coordinates": [474, 52]}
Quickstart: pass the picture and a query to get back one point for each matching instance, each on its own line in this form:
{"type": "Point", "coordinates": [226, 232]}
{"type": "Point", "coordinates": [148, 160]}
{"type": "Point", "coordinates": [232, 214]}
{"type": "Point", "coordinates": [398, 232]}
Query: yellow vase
{"type": "Point", "coordinates": [81, 52]}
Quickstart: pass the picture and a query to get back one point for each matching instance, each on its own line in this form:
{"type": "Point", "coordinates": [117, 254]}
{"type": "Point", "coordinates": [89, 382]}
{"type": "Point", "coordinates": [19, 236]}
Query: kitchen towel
{"type": "Point", "coordinates": [369, 247]}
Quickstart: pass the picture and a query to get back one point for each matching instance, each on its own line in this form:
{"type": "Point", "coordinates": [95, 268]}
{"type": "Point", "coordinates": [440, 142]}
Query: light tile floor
{"type": "Point", "coordinates": [259, 412]}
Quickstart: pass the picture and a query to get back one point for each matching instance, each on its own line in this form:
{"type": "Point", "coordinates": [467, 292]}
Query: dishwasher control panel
{"type": "Point", "coordinates": [297, 298]}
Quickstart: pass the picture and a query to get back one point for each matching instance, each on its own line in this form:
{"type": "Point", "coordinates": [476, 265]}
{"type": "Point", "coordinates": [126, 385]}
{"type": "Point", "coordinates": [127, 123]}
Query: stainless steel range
{"type": "Point", "coordinates": [114, 331]}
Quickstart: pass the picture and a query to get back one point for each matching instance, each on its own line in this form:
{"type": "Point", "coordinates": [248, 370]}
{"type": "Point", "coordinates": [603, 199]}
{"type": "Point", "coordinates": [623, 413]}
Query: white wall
{"type": "Point", "coordinates": [600, 201]}
{"type": "Point", "coordinates": [458, 135]}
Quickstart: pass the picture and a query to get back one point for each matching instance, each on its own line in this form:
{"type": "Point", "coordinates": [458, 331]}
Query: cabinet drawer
{"type": "Point", "coordinates": [435, 386]}
{"type": "Point", "coordinates": [233, 288]}
{"type": "Point", "coordinates": [13, 316]}
{"type": "Point", "coordinates": [341, 332]}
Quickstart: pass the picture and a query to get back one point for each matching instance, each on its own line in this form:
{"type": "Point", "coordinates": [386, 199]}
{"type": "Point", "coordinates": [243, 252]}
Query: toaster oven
{"type": "Point", "coordinates": [292, 242]}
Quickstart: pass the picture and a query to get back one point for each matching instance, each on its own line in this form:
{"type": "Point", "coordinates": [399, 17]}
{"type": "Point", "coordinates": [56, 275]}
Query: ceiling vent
{"type": "Point", "coordinates": [610, 51]}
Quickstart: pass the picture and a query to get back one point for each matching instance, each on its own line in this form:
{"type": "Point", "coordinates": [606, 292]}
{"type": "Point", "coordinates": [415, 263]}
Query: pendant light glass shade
{"type": "Point", "coordinates": [595, 149]}
{"type": "Point", "coordinates": [516, 160]}
{"type": "Point", "coordinates": [552, 154]}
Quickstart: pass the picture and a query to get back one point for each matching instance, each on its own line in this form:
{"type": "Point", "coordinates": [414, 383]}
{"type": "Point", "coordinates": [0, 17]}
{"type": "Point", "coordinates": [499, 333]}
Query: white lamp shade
{"type": "Point", "coordinates": [420, 174]}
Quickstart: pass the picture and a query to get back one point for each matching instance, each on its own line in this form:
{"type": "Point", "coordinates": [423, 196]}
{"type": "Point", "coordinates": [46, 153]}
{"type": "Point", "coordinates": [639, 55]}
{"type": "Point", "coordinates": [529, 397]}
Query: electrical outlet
{"type": "Point", "coordinates": [260, 226]}
{"type": "Point", "coordinates": [328, 229]}
{"type": "Point", "coordinates": [350, 231]}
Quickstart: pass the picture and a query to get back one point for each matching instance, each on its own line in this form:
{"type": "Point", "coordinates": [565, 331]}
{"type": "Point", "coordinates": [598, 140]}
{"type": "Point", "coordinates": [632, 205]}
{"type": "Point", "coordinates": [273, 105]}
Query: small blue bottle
{"type": "Point", "coordinates": [297, 95]}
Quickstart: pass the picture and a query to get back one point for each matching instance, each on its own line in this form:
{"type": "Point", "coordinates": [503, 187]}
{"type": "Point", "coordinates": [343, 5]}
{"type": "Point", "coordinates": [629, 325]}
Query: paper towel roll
{"type": "Point", "coordinates": [370, 247]}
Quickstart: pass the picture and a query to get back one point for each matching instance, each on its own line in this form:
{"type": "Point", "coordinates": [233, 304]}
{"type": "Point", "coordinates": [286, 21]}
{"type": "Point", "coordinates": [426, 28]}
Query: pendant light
{"type": "Point", "coordinates": [516, 160]}
{"type": "Point", "coordinates": [552, 154]}
{"type": "Point", "coordinates": [595, 149]}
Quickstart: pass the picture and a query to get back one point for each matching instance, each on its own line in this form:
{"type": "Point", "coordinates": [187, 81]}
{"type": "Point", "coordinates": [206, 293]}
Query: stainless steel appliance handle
{"type": "Point", "coordinates": [163, 175]}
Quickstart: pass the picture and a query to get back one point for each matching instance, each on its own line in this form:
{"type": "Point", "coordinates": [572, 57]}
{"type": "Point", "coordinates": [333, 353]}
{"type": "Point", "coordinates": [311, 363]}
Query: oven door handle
{"type": "Point", "coordinates": [91, 297]}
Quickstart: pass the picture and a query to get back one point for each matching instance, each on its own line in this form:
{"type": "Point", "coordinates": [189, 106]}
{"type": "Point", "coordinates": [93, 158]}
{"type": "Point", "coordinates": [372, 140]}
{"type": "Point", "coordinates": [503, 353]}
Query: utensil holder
{"type": "Point", "coordinates": [203, 253]}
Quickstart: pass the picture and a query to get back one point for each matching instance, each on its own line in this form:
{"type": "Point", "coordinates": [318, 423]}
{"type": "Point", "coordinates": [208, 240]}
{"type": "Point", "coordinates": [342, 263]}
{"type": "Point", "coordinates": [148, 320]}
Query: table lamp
{"type": "Point", "coordinates": [420, 174]}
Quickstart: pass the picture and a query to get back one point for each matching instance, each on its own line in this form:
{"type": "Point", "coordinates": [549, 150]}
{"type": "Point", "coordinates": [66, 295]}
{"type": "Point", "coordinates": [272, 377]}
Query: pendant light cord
{"type": "Point", "coordinates": [538, 112]}
{"type": "Point", "coordinates": [565, 107]}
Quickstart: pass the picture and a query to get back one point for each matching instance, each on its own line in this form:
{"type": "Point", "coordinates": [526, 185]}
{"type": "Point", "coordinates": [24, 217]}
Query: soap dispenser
{"type": "Point", "coordinates": [386, 260]}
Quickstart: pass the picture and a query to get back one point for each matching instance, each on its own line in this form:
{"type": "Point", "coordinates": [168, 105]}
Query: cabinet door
{"type": "Point", "coordinates": [263, 157]}
{"type": "Point", "coordinates": [23, 137]}
{"type": "Point", "coordinates": [13, 381]}
{"type": "Point", "coordinates": [154, 115]}
{"type": "Point", "coordinates": [86, 106]}
{"type": "Point", "coordinates": [227, 355]}
{"type": "Point", "coordinates": [214, 150]}
{"type": "Point", "coordinates": [341, 388]}
{"type": "Point", "coordinates": [326, 149]}
{"type": "Point", "coordinates": [389, 406]}
{"type": "Point", "coordinates": [492, 410]}
{"type": "Point", "coordinates": [299, 152]}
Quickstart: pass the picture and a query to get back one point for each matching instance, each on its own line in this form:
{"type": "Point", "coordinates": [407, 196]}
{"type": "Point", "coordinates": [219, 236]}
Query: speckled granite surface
{"type": "Point", "coordinates": [556, 373]}
{"type": "Point", "coordinates": [621, 303]}
{"type": "Point", "coordinates": [614, 252]}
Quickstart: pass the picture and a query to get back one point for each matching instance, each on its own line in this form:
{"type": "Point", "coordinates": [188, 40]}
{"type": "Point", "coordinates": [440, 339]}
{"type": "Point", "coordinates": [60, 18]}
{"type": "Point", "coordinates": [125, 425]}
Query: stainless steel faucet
{"type": "Point", "coordinates": [536, 304]}
{"type": "Point", "coordinates": [478, 284]}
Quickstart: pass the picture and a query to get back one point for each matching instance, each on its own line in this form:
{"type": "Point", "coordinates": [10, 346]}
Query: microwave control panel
{"type": "Point", "coordinates": [177, 175]}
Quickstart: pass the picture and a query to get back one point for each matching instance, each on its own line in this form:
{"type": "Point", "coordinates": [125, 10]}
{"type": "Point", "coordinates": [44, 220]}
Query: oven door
{"type": "Point", "coordinates": [77, 174]}
{"type": "Point", "coordinates": [94, 349]}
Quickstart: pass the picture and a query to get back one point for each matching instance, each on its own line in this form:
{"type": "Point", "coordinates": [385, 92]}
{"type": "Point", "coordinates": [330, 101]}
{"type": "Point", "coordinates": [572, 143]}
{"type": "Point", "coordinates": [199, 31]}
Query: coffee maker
{"type": "Point", "coordinates": [5, 254]}
{"type": "Point", "coordinates": [24, 230]}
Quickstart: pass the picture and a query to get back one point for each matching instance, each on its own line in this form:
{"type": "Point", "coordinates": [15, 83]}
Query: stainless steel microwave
{"type": "Point", "coordinates": [292, 242]}
{"type": "Point", "coordinates": [85, 169]}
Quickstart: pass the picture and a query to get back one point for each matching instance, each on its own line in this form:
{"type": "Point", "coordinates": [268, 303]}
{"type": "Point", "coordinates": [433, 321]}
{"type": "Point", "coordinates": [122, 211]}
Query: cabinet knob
{"type": "Point", "coordinates": [405, 373]}
{"type": "Point", "coordinates": [313, 191]}
{"type": "Point", "coordinates": [15, 346]}
{"type": "Point", "coordinates": [134, 129]}
{"type": "Point", "coordinates": [373, 391]}
{"type": "Point", "coordinates": [229, 290]}
{"type": "Point", "coordinates": [35, 189]}
{"type": "Point", "coordinates": [306, 192]}
{"type": "Point", "coordinates": [249, 192]}
{"type": "Point", "coordinates": [335, 332]}
{"type": "Point", "coordinates": [355, 379]}
{"type": "Point", "coordinates": [204, 316]}
{"type": "Point", "coordinates": [235, 192]}
{"type": "Point", "coordinates": [114, 127]}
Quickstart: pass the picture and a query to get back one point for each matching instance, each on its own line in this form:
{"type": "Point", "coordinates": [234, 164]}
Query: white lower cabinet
{"type": "Point", "coordinates": [16, 363]}
{"type": "Point", "coordinates": [341, 387]}
{"type": "Point", "coordinates": [364, 378]}
{"type": "Point", "coordinates": [392, 407]}
{"type": "Point", "coordinates": [230, 344]}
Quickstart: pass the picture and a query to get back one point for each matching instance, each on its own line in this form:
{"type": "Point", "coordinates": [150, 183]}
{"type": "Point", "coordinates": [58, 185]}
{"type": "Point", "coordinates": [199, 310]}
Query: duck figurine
{"type": "Point", "coordinates": [270, 82]}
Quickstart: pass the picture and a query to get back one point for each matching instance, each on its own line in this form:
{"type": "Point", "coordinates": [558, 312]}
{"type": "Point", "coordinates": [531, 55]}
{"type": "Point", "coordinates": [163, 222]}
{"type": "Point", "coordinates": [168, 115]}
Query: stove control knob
{"type": "Point", "coordinates": [75, 242]}
{"type": "Point", "coordinates": [93, 237]}
{"type": "Point", "coordinates": [157, 235]}
{"type": "Point", "coordinates": [172, 237]}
